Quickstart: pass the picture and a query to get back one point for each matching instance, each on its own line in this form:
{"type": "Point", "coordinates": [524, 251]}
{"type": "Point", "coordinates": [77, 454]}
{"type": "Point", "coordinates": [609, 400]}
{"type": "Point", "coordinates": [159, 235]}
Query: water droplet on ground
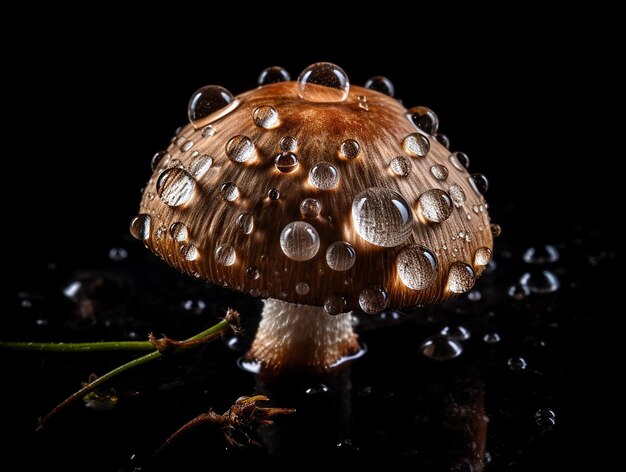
{"type": "Point", "coordinates": [491, 338]}
{"type": "Point", "coordinates": [545, 418]}
{"type": "Point", "coordinates": [340, 256]}
{"type": "Point", "coordinates": [197, 306]}
{"type": "Point", "coordinates": [517, 363]}
{"type": "Point", "coordinates": [518, 291]}
{"type": "Point", "coordinates": [382, 217]}
{"type": "Point", "coordinates": [441, 348]}
{"type": "Point", "coordinates": [319, 389]}
{"type": "Point", "coordinates": [299, 241]}
{"type": "Point", "coordinates": [460, 333]}
{"type": "Point", "coordinates": [540, 282]}
{"type": "Point", "coordinates": [417, 267]}
{"type": "Point", "coordinates": [118, 254]}
{"type": "Point", "coordinates": [380, 84]}
{"type": "Point", "coordinates": [545, 254]}
{"type": "Point", "coordinates": [323, 82]}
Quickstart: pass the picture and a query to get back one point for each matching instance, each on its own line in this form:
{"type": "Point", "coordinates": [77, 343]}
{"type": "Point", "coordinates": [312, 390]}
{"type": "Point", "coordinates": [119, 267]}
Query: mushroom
{"type": "Point", "coordinates": [321, 198]}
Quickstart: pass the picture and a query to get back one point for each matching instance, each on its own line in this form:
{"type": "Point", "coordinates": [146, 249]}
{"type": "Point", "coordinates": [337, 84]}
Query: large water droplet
{"type": "Point", "coordinates": [200, 165]}
{"type": "Point", "coordinates": [273, 75]}
{"type": "Point", "coordinates": [286, 162]}
{"type": "Point", "coordinates": [439, 172]}
{"type": "Point", "coordinates": [441, 348]}
{"type": "Point", "coordinates": [299, 241]}
{"type": "Point", "coordinates": [229, 191]}
{"type": "Point", "coordinates": [157, 158]}
{"type": "Point", "coordinates": [265, 116]}
{"type": "Point", "coordinates": [324, 176]}
{"type": "Point", "coordinates": [334, 305]}
{"type": "Point", "coordinates": [205, 102]}
{"type": "Point", "coordinates": [417, 267]}
{"type": "Point", "coordinates": [349, 149]}
{"type": "Point", "coordinates": [310, 208]}
{"type": "Point", "coordinates": [546, 254]}
{"type": "Point", "coordinates": [424, 118]}
{"type": "Point", "coordinates": [140, 226]}
{"type": "Point", "coordinates": [482, 256]}
{"type": "Point", "coordinates": [245, 223]}
{"type": "Point", "coordinates": [240, 148]}
{"type": "Point", "coordinates": [435, 205]}
{"type": "Point", "coordinates": [302, 288]}
{"type": "Point", "coordinates": [373, 299]}
{"type": "Point", "coordinates": [381, 84]}
{"type": "Point", "coordinates": [225, 254]}
{"type": "Point", "coordinates": [540, 282]}
{"type": "Point", "coordinates": [457, 195]}
{"type": "Point", "coordinates": [382, 216]}
{"type": "Point", "coordinates": [416, 145]}
{"type": "Point", "coordinates": [288, 143]}
{"type": "Point", "coordinates": [479, 183]}
{"type": "Point", "coordinates": [401, 165]}
{"type": "Point", "coordinates": [175, 186]}
{"type": "Point", "coordinates": [460, 160]}
{"type": "Point", "coordinates": [179, 232]}
{"type": "Point", "coordinates": [340, 256]}
{"type": "Point", "coordinates": [460, 277]}
{"type": "Point", "coordinates": [323, 82]}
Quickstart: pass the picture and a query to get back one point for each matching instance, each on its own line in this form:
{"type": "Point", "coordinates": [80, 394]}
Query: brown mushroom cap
{"type": "Point", "coordinates": [222, 223]}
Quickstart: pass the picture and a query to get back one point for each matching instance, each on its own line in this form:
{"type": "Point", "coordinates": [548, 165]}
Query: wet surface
{"type": "Point", "coordinates": [483, 381]}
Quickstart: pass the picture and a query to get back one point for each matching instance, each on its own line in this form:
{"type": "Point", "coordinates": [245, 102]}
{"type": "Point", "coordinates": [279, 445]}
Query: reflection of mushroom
{"type": "Point", "coordinates": [320, 198]}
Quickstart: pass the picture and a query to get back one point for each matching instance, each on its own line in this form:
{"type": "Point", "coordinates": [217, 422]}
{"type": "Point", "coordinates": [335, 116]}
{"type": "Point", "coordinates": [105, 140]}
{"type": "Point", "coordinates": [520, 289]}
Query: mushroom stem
{"type": "Point", "coordinates": [301, 338]}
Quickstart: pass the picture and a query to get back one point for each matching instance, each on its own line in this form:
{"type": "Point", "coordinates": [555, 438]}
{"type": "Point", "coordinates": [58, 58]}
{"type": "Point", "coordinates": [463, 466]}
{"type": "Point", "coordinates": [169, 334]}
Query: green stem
{"type": "Point", "coordinates": [232, 319]}
{"type": "Point", "coordinates": [79, 347]}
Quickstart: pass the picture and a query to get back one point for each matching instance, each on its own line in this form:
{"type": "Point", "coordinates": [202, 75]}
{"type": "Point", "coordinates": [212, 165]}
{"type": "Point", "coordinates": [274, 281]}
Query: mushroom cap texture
{"type": "Point", "coordinates": [379, 125]}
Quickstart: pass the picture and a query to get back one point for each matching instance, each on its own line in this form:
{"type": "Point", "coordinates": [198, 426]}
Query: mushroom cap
{"type": "Point", "coordinates": [342, 204]}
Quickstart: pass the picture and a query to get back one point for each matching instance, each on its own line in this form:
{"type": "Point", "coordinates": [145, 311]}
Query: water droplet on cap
{"type": "Point", "coordinates": [460, 160]}
{"type": "Point", "coordinates": [245, 223]}
{"type": "Point", "coordinates": [157, 158]}
{"type": "Point", "coordinates": [460, 277]}
{"type": "Point", "coordinates": [225, 254]}
{"type": "Point", "coordinates": [265, 116]}
{"type": "Point", "coordinates": [496, 230]}
{"type": "Point", "coordinates": [424, 118]}
{"type": "Point", "coordinates": [441, 348]}
{"type": "Point", "coordinates": [340, 256]}
{"type": "Point", "coordinates": [324, 176]}
{"type": "Point", "coordinates": [416, 145]}
{"type": "Point", "coordinates": [273, 194]}
{"type": "Point", "coordinates": [288, 143]}
{"type": "Point", "coordinates": [179, 232]}
{"type": "Point", "coordinates": [273, 75]}
{"type": "Point", "coordinates": [310, 208]}
{"type": "Point", "coordinates": [175, 186]}
{"type": "Point", "coordinates": [401, 166]}
{"type": "Point", "coordinates": [140, 226]}
{"type": "Point", "coordinates": [206, 101]}
{"type": "Point", "coordinates": [382, 216]}
{"type": "Point", "coordinates": [239, 148]}
{"type": "Point", "coordinates": [229, 191]}
{"type": "Point", "coordinates": [200, 165]}
{"type": "Point", "coordinates": [349, 149]}
{"type": "Point", "coordinates": [208, 131]}
{"type": "Point", "coordinates": [417, 267]}
{"type": "Point", "coordinates": [323, 82]}
{"type": "Point", "coordinates": [479, 183]}
{"type": "Point", "coordinates": [439, 172]}
{"type": "Point", "coordinates": [373, 299]}
{"type": "Point", "coordinates": [286, 162]}
{"type": "Point", "coordinates": [457, 195]}
{"type": "Point", "coordinates": [299, 241]}
{"type": "Point", "coordinates": [380, 84]}
{"type": "Point", "coordinates": [334, 305]}
{"type": "Point", "coordinates": [435, 205]}
{"type": "Point", "coordinates": [443, 140]}
{"type": "Point", "coordinates": [252, 273]}
{"type": "Point", "coordinates": [541, 282]}
{"type": "Point", "coordinates": [302, 288]}
{"type": "Point", "coordinates": [482, 256]}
